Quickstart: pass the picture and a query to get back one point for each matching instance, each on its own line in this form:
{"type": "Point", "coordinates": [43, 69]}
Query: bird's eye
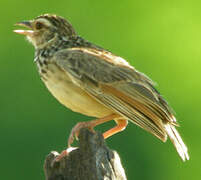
{"type": "Point", "coordinates": [38, 25]}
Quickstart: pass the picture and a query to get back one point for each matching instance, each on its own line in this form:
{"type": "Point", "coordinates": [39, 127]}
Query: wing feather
{"type": "Point", "coordinates": [117, 85]}
{"type": "Point", "coordinates": [130, 110]}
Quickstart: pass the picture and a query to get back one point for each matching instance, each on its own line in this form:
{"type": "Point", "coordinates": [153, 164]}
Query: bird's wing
{"type": "Point", "coordinates": [117, 85]}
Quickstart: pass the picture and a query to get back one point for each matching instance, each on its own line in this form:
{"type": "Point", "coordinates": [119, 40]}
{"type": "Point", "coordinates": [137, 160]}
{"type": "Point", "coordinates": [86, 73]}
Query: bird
{"type": "Point", "coordinates": [93, 81]}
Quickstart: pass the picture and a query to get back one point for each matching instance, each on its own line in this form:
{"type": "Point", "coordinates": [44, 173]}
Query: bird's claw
{"type": "Point", "coordinates": [76, 131]}
{"type": "Point", "coordinates": [74, 134]}
{"type": "Point", "coordinates": [62, 155]}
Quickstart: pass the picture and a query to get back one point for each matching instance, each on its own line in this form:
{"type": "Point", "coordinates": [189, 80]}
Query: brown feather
{"type": "Point", "coordinates": [143, 109]}
{"type": "Point", "coordinates": [122, 89]}
{"type": "Point", "coordinates": [128, 111]}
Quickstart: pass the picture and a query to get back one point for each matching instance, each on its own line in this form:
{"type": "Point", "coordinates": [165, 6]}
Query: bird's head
{"type": "Point", "coordinates": [45, 29]}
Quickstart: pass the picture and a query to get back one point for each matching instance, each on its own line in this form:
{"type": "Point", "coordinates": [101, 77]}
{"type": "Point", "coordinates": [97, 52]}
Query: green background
{"type": "Point", "coordinates": [160, 38]}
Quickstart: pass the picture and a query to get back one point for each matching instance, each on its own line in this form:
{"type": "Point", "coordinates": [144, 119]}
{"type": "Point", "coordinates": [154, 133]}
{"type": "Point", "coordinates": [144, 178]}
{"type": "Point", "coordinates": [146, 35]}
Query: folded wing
{"type": "Point", "coordinates": [117, 85]}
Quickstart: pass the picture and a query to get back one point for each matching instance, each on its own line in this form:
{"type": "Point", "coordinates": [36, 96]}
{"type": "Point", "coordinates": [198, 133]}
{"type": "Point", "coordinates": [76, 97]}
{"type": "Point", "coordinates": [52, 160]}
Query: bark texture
{"type": "Point", "coordinates": [92, 160]}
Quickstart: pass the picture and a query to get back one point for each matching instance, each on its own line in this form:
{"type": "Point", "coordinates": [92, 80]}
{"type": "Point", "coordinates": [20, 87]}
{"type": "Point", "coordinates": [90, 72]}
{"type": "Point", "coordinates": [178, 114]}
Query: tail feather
{"type": "Point", "coordinates": [177, 141]}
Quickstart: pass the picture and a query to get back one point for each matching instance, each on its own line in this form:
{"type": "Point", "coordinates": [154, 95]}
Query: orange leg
{"type": "Point", "coordinates": [90, 124]}
{"type": "Point", "coordinates": [121, 125]}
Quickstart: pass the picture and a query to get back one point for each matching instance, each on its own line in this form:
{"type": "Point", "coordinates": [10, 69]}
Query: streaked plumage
{"type": "Point", "coordinates": [92, 81]}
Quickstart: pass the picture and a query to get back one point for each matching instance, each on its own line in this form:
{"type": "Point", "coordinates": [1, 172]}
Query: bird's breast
{"type": "Point", "coordinates": [61, 86]}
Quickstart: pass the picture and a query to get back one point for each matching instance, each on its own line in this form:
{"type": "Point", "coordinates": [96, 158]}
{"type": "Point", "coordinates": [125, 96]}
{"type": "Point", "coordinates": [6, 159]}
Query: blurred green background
{"type": "Point", "coordinates": [160, 38]}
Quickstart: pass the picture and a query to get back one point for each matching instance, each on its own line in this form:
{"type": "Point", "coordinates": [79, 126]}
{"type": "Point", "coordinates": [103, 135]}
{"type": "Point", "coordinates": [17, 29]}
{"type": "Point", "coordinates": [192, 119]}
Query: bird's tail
{"type": "Point", "coordinates": [177, 141]}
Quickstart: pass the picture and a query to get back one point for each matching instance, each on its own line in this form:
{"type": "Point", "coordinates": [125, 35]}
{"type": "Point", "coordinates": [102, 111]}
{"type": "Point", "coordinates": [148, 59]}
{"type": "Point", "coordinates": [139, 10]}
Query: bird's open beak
{"type": "Point", "coordinates": [26, 24]}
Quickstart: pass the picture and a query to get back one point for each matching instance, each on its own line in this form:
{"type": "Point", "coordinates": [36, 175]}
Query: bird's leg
{"type": "Point", "coordinates": [90, 125]}
{"type": "Point", "coordinates": [121, 125]}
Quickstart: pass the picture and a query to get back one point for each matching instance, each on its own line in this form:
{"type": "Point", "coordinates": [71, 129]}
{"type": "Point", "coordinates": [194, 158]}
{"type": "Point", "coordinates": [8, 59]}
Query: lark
{"type": "Point", "coordinates": [92, 81]}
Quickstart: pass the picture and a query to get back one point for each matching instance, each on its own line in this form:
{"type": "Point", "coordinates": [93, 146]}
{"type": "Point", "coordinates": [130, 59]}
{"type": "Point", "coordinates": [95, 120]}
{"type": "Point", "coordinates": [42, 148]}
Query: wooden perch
{"type": "Point", "coordinates": [93, 160]}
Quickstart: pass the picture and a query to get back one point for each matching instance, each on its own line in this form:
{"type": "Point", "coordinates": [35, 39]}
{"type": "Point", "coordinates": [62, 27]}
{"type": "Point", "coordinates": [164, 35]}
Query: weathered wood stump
{"type": "Point", "coordinates": [93, 160]}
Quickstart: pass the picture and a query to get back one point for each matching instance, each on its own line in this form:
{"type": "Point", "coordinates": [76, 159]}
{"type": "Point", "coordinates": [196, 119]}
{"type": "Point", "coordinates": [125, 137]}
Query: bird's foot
{"type": "Point", "coordinates": [63, 154]}
{"type": "Point", "coordinates": [76, 130]}
{"type": "Point", "coordinates": [90, 125]}
{"type": "Point", "coordinates": [74, 134]}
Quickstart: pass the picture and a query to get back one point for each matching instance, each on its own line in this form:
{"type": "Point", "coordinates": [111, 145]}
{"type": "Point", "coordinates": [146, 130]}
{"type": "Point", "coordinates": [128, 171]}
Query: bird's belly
{"type": "Point", "coordinates": [71, 95]}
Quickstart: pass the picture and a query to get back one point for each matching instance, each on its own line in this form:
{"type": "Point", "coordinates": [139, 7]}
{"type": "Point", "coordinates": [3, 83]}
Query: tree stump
{"type": "Point", "coordinates": [92, 160]}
